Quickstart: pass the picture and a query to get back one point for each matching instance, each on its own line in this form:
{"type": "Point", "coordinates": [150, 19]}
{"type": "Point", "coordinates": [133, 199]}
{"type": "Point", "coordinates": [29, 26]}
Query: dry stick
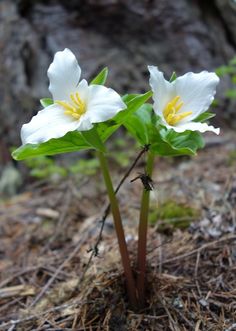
{"type": "Point", "coordinates": [107, 210]}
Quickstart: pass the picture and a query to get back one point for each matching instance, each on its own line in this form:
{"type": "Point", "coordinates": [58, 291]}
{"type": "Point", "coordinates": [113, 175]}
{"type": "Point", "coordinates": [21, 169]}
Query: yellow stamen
{"type": "Point", "coordinates": [169, 118]}
{"type": "Point", "coordinates": [177, 107]}
{"type": "Point", "coordinates": [78, 99]}
{"type": "Point", "coordinates": [171, 110]}
{"type": "Point", "coordinates": [175, 100]}
{"type": "Point", "coordinates": [74, 99]}
{"type": "Point", "coordinates": [176, 118]}
{"type": "Point", "coordinates": [75, 107]}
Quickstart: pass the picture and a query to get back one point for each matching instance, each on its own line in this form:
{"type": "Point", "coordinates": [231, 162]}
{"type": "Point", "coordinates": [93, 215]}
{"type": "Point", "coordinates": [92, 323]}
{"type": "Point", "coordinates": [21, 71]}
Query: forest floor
{"type": "Point", "coordinates": [47, 233]}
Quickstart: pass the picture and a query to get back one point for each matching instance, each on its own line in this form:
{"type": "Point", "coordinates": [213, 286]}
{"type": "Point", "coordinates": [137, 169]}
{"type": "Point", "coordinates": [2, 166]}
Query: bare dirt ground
{"type": "Point", "coordinates": [47, 231]}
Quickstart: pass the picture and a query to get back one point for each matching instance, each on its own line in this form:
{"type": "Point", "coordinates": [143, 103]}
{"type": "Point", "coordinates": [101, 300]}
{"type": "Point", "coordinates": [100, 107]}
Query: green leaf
{"type": "Point", "coordinates": [145, 127]}
{"type": "Point", "coordinates": [173, 77]}
{"type": "Point", "coordinates": [140, 123]}
{"type": "Point", "coordinates": [133, 103]}
{"type": "Point", "coordinates": [93, 139]}
{"type": "Point", "coordinates": [101, 78]}
{"type": "Point", "coordinates": [128, 97]}
{"type": "Point", "coordinates": [204, 117]}
{"type": "Point", "coordinates": [71, 142]}
{"type": "Point", "coordinates": [174, 143]}
{"type": "Point", "coordinates": [45, 102]}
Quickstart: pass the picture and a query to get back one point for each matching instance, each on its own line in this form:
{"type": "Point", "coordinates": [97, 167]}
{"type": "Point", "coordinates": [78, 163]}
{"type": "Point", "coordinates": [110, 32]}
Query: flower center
{"type": "Point", "coordinates": [171, 111]}
{"type": "Point", "coordinates": [75, 107]}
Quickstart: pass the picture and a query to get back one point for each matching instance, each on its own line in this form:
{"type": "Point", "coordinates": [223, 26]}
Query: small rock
{"type": "Point", "coordinates": [203, 302]}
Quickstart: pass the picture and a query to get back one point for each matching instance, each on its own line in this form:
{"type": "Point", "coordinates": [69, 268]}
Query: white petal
{"type": "Point", "coordinates": [64, 75]}
{"type": "Point", "coordinates": [83, 90]}
{"type": "Point", "coordinates": [195, 126]}
{"type": "Point", "coordinates": [51, 122]}
{"type": "Point", "coordinates": [84, 123]}
{"type": "Point", "coordinates": [196, 91]}
{"type": "Point", "coordinates": [103, 103]}
{"type": "Point", "coordinates": [163, 91]}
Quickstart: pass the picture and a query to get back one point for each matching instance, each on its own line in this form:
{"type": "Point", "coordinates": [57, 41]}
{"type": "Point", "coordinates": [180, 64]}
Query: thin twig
{"type": "Point", "coordinates": [197, 264]}
{"type": "Point", "coordinates": [94, 250]}
{"type": "Point", "coordinates": [18, 274]}
{"type": "Point", "coordinates": [172, 322]}
{"type": "Point", "coordinates": [195, 251]}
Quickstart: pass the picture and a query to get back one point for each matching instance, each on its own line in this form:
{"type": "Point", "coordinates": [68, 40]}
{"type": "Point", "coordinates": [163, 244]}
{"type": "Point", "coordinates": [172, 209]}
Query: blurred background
{"type": "Point", "coordinates": [124, 35]}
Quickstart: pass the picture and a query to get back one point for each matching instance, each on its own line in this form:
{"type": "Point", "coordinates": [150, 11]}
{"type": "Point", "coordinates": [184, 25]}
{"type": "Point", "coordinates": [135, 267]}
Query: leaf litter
{"type": "Point", "coordinates": [47, 232]}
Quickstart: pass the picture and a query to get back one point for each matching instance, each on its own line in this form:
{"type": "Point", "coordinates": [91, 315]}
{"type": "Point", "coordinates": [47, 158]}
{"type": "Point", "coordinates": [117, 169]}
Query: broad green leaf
{"type": "Point", "coordinates": [128, 97]}
{"type": "Point", "coordinates": [204, 117]}
{"type": "Point", "coordinates": [106, 129]}
{"type": "Point", "coordinates": [45, 102]}
{"type": "Point", "coordinates": [101, 78]}
{"type": "Point", "coordinates": [140, 123]}
{"type": "Point", "coordinates": [93, 139]}
{"type": "Point", "coordinates": [145, 127]}
{"type": "Point", "coordinates": [71, 142]}
{"type": "Point", "coordinates": [132, 106]}
{"type": "Point", "coordinates": [186, 143]}
{"type": "Point", "coordinates": [133, 103]}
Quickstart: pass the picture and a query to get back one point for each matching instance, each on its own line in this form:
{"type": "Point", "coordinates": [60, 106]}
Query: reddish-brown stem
{"type": "Point", "coordinates": [142, 236]}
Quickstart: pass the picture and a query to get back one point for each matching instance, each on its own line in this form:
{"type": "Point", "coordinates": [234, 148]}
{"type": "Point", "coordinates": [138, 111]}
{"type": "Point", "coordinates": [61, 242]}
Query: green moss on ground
{"type": "Point", "coordinates": [178, 215]}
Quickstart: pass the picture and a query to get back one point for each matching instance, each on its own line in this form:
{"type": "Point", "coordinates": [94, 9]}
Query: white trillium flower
{"type": "Point", "coordinates": [180, 102]}
{"type": "Point", "coordinates": [76, 106]}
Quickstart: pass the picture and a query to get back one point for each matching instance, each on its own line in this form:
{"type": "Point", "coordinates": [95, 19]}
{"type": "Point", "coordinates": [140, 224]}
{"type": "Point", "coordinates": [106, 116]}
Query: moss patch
{"type": "Point", "coordinates": [232, 158]}
{"type": "Point", "coordinates": [178, 215]}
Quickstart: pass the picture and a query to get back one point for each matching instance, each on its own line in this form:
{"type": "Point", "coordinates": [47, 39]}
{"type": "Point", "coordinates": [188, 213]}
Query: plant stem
{"type": "Point", "coordinates": [119, 232]}
{"type": "Point", "coordinates": [142, 235]}
{"type": "Point", "coordinates": [95, 249]}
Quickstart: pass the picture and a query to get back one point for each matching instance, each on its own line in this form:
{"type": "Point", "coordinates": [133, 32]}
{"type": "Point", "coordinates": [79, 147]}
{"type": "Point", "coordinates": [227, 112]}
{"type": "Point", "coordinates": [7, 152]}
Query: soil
{"type": "Point", "coordinates": [48, 231]}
